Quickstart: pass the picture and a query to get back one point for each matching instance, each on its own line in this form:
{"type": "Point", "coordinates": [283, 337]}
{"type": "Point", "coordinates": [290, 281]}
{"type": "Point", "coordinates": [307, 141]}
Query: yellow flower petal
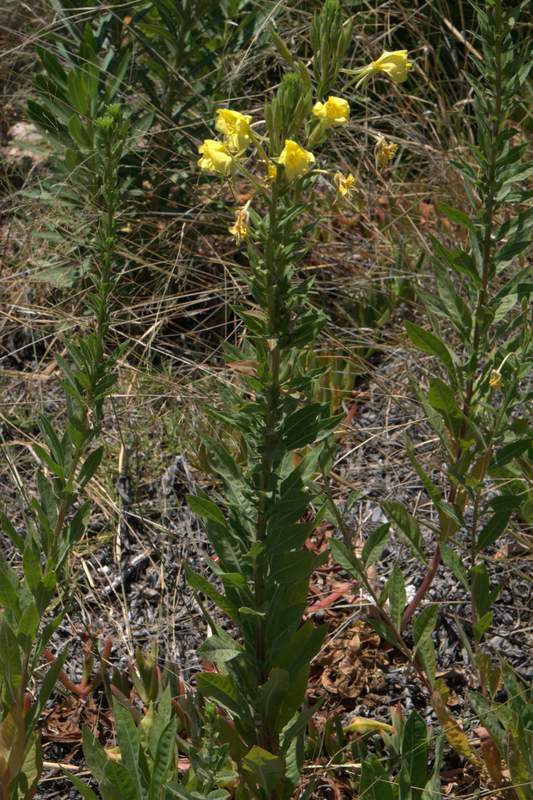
{"type": "Point", "coordinates": [296, 160]}
{"type": "Point", "coordinates": [215, 157]}
{"type": "Point", "coordinates": [395, 64]}
{"type": "Point", "coordinates": [235, 128]}
{"type": "Point", "coordinates": [335, 111]}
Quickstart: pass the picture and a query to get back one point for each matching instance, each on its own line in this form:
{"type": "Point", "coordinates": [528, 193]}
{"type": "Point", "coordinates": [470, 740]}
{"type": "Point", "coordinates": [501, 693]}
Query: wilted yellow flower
{"type": "Point", "coordinates": [215, 157]}
{"type": "Point", "coordinates": [395, 64]}
{"type": "Point", "coordinates": [495, 380]}
{"type": "Point", "coordinates": [344, 183]}
{"type": "Point", "coordinates": [296, 160]}
{"type": "Point", "coordinates": [235, 127]}
{"type": "Point", "coordinates": [335, 111]}
{"type": "Point", "coordinates": [384, 152]}
{"type": "Point", "coordinates": [240, 228]}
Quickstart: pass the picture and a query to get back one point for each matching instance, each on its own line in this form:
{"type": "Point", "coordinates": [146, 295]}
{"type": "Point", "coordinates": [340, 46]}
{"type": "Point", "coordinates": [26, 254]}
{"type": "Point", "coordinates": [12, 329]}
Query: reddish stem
{"type": "Point", "coordinates": [423, 588]}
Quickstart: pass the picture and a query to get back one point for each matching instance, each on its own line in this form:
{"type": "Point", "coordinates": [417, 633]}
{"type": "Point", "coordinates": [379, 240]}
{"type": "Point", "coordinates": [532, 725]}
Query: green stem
{"type": "Point", "coordinates": [271, 423]}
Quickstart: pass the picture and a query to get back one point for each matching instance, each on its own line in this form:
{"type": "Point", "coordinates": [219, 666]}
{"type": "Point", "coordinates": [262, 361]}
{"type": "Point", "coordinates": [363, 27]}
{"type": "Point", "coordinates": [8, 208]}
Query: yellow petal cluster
{"type": "Point", "coordinates": [344, 183]}
{"type": "Point", "coordinates": [235, 128]}
{"type": "Point", "coordinates": [240, 227]}
{"type": "Point", "coordinates": [296, 160]}
{"type": "Point", "coordinates": [384, 152]}
{"type": "Point", "coordinates": [335, 111]}
{"type": "Point", "coordinates": [215, 157]}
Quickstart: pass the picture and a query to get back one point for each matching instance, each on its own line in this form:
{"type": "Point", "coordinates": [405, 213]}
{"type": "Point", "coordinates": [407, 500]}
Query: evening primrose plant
{"type": "Point", "coordinates": [265, 505]}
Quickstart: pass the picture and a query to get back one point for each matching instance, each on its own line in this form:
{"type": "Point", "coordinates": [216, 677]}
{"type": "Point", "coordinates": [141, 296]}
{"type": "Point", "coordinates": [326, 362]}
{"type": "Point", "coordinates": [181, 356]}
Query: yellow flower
{"type": "Point", "coordinates": [495, 380]}
{"type": "Point", "coordinates": [384, 152]}
{"type": "Point", "coordinates": [235, 127]}
{"type": "Point", "coordinates": [240, 228]}
{"type": "Point", "coordinates": [295, 159]}
{"type": "Point", "coordinates": [395, 64]}
{"type": "Point", "coordinates": [272, 171]}
{"type": "Point", "coordinates": [335, 111]}
{"type": "Point", "coordinates": [344, 183]}
{"type": "Point", "coordinates": [215, 157]}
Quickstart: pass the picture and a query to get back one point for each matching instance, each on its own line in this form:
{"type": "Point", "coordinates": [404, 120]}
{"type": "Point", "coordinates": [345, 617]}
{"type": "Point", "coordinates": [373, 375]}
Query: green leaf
{"type": "Point", "coordinates": [426, 654]}
{"type": "Point", "coordinates": [200, 584]}
{"type": "Point", "coordinates": [482, 625]}
{"type": "Point", "coordinates": [94, 754]}
{"type": "Point", "coordinates": [424, 622]}
{"type": "Point", "coordinates": [272, 697]}
{"type": "Point", "coordinates": [375, 784]}
{"type": "Point", "coordinates": [222, 689]}
{"type": "Point", "coordinates": [397, 595]}
{"type": "Point", "coordinates": [455, 564]}
{"type": "Point", "coordinates": [405, 525]}
{"type": "Point", "coordinates": [29, 621]}
{"type": "Point", "coordinates": [432, 789]}
{"type": "Point", "coordinates": [301, 427]}
{"type": "Point", "coordinates": [85, 791]}
{"type": "Point", "coordinates": [431, 344]}
{"type": "Point", "coordinates": [511, 451]}
{"type": "Point", "coordinates": [456, 216]}
{"type": "Point", "coordinates": [414, 752]}
{"type": "Point", "coordinates": [129, 742]}
{"type": "Point", "coordinates": [265, 769]}
{"type": "Point", "coordinates": [164, 759]}
{"type": "Point", "coordinates": [47, 687]}
{"type": "Point", "coordinates": [220, 648]}
{"type": "Point", "coordinates": [120, 779]}
{"type": "Point", "coordinates": [375, 544]}
{"type": "Point", "coordinates": [11, 533]}
{"type": "Point", "coordinates": [383, 630]}
{"type": "Point", "coordinates": [32, 568]}
{"type": "Point", "coordinates": [493, 530]}
{"type": "Point", "coordinates": [442, 398]}
{"type": "Point", "coordinates": [90, 465]}
{"type": "Point", "coordinates": [482, 595]}
{"type": "Point", "coordinates": [205, 508]}
{"type": "Point", "coordinates": [9, 587]}
{"type": "Point", "coordinates": [346, 558]}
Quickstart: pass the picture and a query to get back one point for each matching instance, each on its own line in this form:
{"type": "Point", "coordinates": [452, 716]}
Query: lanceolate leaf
{"type": "Point", "coordinates": [397, 596]}
{"type": "Point", "coordinates": [346, 558]}
{"type": "Point", "coordinates": [431, 344]}
{"type": "Point", "coordinates": [405, 525]}
{"type": "Point", "coordinates": [375, 544]}
{"type": "Point", "coordinates": [375, 783]}
{"type": "Point", "coordinates": [415, 755]}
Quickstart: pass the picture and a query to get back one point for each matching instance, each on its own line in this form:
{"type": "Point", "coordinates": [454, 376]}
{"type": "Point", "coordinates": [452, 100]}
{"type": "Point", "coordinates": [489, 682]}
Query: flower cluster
{"type": "Point", "coordinates": [223, 156]}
